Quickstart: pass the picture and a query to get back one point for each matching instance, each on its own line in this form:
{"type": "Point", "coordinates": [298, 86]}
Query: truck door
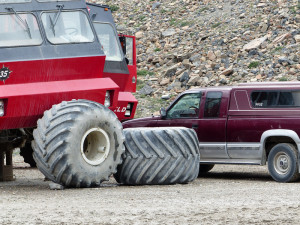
{"type": "Point", "coordinates": [212, 126]}
{"type": "Point", "coordinates": [116, 63]}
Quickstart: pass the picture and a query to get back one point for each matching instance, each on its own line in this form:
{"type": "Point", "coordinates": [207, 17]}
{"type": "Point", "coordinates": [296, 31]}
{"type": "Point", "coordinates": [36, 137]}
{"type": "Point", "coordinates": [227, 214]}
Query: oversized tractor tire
{"type": "Point", "coordinates": [78, 143]}
{"type": "Point", "coordinates": [26, 153]}
{"type": "Point", "coordinates": [159, 156]}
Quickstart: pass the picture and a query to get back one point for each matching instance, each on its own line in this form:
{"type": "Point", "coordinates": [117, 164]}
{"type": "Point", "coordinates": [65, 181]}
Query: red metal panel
{"type": "Point", "coordinates": [54, 69]}
{"type": "Point", "coordinates": [25, 103]}
{"type": "Point", "coordinates": [123, 100]}
{"type": "Point", "coordinates": [250, 129]}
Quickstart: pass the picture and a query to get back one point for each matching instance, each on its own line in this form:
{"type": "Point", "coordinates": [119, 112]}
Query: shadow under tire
{"type": "Point", "coordinates": [205, 168]}
{"type": "Point", "coordinates": [26, 153]}
{"type": "Point", "coordinates": [159, 156]}
{"type": "Point", "coordinates": [78, 143]}
{"type": "Point", "coordinates": [283, 163]}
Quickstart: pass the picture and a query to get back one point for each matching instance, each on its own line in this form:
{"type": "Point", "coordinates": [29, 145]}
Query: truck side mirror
{"type": "Point", "coordinates": [163, 113]}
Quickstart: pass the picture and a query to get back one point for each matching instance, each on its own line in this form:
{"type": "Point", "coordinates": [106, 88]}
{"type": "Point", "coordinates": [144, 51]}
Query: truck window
{"type": "Point", "coordinates": [275, 99]}
{"type": "Point", "coordinates": [67, 27]}
{"type": "Point", "coordinates": [212, 104]}
{"type": "Point", "coordinates": [16, 32]}
{"type": "Point", "coordinates": [129, 50]}
{"type": "Point", "coordinates": [109, 41]}
{"type": "Point", "coordinates": [186, 107]}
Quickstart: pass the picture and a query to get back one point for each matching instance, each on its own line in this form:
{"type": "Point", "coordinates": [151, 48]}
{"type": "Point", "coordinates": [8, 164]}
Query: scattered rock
{"type": "Point", "coordinates": [166, 97]}
{"type": "Point", "coordinates": [256, 43]}
{"type": "Point", "coordinates": [156, 5]}
{"type": "Point", "coordinates": [146, 90]}
{"type": "Point", "coordinates": [139, 35]}
{"type": "Point", "coordinates": [297, 38]}
{"type": "Point", "coordinates": [165, 81]}
{"type": "Point", "coordinates": [281, 38]}
{"type": "Point", "coordinates": [193, 81]}
{"type": "Point", "coordinates": [170, 72]}
{"type": "Point", "coordinates": [227, 72]}
{"type": "Point", "coordinates": [211, 55]}
{"type": "Point", "coordinates": [184, 77]}
{"type": "Point", "coordinates": [168, 33]}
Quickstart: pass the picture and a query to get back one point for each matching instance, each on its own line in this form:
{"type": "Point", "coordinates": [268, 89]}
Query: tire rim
{"type": "Point", "coordinates": [282, 163]}
{"type": "Point", "coordinates": [95, 146]}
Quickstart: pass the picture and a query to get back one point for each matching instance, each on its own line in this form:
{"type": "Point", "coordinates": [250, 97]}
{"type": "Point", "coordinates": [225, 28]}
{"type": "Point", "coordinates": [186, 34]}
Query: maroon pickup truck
{"type": "Point", "coordinates": [251, 123]}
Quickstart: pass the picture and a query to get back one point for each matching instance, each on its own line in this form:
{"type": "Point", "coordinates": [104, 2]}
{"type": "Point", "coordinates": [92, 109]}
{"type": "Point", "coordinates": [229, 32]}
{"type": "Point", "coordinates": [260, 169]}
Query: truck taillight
{"type": "Point", "coordinates": [129, 110]}
{"type": "Point", "coordinates": [1, 108]}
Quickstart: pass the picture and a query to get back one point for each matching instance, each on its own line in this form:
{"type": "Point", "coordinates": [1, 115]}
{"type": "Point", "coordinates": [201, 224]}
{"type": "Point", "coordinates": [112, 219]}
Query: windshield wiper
{"type": "Point", "coordinates": [24, 22]}
{"type": "Point", "coordinates": [56, 16]}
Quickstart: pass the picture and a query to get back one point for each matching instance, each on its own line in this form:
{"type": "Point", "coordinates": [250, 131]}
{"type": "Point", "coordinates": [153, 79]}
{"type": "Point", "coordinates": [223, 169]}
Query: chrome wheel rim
{"type": "Point", "coordinates": [282, 163]}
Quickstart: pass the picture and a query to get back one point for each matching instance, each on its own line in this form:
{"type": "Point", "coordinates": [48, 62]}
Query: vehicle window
{"type": "Point", "coordinates": [19, 30]}
{"type": "Point", "coordinates": [109, 41]}
{"type": "Point", "coordinates": [67, 27]}
{"type": "Point", "coordinates": [186, 107]}
{"type": "Point", "coordinates": [275, 99]}
{"type": "Point", "coordinates": [129, 50]}
{"type": "Point", "coordinates": [212, 104]}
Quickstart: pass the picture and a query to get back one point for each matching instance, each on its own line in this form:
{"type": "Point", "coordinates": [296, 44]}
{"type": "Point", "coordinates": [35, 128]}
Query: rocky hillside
{"type": "Point", "coordinates": [183, 44]}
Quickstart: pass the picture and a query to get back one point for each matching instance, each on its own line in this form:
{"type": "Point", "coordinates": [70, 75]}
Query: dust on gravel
{"type": "Point", "coordinates": [226, 195]}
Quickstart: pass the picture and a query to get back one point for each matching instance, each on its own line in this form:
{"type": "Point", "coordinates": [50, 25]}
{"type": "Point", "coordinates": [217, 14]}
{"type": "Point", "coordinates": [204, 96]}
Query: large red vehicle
{"type": "Point", "coordinates": [63, 74]}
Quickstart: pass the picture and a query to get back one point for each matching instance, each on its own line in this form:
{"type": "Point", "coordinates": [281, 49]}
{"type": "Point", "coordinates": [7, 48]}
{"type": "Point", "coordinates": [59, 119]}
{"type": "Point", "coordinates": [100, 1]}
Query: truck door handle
{"type": "Point", "coordinates": [195, 126]}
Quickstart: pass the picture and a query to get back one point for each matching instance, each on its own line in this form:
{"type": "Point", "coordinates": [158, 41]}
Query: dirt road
{"type": "Point", "coordinates": [227, 195]}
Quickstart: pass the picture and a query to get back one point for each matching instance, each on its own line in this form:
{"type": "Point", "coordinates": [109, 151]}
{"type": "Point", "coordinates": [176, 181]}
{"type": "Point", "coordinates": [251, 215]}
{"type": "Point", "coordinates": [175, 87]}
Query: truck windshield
{"type": "Point", "coordinates": [109, 41]}
{"type": "Point", "coordinates": [67, 27]}
{"type": "Point", "coordinates": [19, 30]}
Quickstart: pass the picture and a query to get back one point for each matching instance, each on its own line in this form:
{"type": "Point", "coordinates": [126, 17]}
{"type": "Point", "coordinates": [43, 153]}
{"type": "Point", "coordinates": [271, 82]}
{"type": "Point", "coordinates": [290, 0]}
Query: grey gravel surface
{"type": "Point", "coordinates": [226, 195]}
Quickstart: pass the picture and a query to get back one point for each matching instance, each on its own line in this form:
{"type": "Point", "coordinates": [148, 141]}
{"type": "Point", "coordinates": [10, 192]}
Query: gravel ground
{"type": "Point", "coordinates": [226, 195]}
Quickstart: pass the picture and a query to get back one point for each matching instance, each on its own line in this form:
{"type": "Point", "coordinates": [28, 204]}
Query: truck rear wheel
{"type": "Point", "coordinates": [159, 156]}
{"type": "Point", "coordinates": [283, 163]}
{"type": "Point", "coordinates": [26, 153]}
{"type": "Point", "coordinates": [78, 143]}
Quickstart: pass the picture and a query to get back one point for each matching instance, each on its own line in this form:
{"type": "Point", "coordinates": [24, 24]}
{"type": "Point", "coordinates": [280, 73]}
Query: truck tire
{"type": "Point", "coordinates": [204, 168]}
{"type": "Point", "coordinates": [159, 156]}
{"type": "Point", "coordinates": [78, 143]}
{"type": "Point", "coordinates": [283, 163]}
{"type": "Point", "coordinates": [26, 153]}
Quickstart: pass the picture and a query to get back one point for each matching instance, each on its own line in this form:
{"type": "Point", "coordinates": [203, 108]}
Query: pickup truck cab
{"type": "Point", "coordinates": [255, 123]}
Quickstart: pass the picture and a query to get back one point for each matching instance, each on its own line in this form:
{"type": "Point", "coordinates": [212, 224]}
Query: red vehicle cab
{"type": "Point", "coordinates": [246, 124]}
